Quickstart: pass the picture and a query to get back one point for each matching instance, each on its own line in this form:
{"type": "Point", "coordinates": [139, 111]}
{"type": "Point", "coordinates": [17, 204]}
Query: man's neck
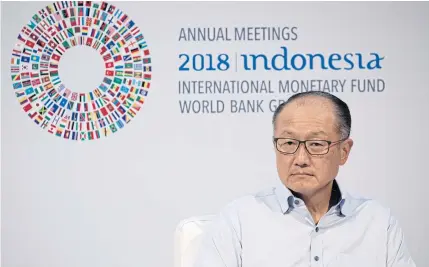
{"type": "Point", "coordinates": [318, 203]}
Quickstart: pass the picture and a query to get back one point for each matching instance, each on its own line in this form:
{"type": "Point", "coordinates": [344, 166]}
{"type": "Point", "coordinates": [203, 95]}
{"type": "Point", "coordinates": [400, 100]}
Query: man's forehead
{"type": "Point", "coordinates": [310, 115]}
{"type": "Point", "coordinates": [311, 102]}
{"type": "Point", "coordinates": [298, 112]}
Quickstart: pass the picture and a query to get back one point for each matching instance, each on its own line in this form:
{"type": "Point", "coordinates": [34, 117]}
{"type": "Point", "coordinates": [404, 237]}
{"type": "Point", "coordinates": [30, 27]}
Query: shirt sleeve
{"type": "Point", "coordinates": [397, 251]}
{"type": "Point", "coordinates": [221, 244]}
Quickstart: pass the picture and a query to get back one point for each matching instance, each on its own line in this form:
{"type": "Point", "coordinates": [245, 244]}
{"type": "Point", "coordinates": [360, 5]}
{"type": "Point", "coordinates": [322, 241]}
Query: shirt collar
{"type": "Point", "coordinates": [346, 204]}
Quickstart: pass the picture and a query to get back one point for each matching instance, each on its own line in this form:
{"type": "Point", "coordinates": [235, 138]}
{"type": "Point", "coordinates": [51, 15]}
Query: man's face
{"type": "Point", "coordinates": [310, 118]}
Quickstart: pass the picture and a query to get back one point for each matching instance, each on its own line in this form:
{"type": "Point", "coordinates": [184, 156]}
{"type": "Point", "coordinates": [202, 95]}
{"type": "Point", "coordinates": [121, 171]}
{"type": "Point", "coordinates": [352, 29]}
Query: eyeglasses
{"type": "Point", "coordinates": [313, 147]}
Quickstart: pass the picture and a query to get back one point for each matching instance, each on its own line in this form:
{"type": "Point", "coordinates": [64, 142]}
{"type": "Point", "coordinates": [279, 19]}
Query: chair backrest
{"type": "Point", "coordinates": [188, 237]}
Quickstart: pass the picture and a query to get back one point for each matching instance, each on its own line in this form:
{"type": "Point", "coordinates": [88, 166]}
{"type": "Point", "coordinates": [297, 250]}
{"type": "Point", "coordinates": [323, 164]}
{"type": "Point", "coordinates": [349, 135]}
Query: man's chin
{"type": "Point", "coordinates": [302, 186]}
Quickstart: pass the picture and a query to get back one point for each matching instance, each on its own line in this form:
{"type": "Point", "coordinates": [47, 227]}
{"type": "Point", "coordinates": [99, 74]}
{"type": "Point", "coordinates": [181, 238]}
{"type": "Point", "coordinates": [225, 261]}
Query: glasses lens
{"type": "Point", "coordinates": [317, 147]}
{"type": "Point", "coordinates": [285, 145]}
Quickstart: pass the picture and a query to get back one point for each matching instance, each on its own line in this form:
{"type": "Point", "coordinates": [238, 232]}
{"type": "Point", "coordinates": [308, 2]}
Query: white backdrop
{"type": "Point", "coordinates": [116, 201]}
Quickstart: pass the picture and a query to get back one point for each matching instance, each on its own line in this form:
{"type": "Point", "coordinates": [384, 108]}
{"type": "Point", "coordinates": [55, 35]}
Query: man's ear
{"type": "Point", "coordinates": [346, 147]}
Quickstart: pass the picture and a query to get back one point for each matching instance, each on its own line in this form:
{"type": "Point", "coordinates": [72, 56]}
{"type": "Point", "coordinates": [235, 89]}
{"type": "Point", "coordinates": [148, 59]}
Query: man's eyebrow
{"type": "Point", "coordinates": [288, 132]}
{"type": "Point", "coordinates": [311, 134]}
{"type": "Point", "coordinates": [317, 133]}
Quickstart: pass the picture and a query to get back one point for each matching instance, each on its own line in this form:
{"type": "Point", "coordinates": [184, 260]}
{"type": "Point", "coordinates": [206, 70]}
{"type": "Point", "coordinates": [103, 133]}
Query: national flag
{"type": "Point", "coordinates": [35, 82]}
{"type": "Point", "coordinates": [106, 131]}
{"type": "Point", "coordinates": [35, 58]}
{"type": "Point", "coordinates": [82, 97]}
{"type": "Point", "coordinates": [66, 45]}
{"type": "Point", "coordinates": [132, 113]}
{"type": "Point", "coordinates": [107, 80]}
{"type": "Point", "coordinates": [67, 93]}
{"type": "Point", "coordinates": [23, 100]}
{"type": "Point", "coordinates": [14, 69]}
{"type": "Point", "coordinates": [122, 110]}
{"type": "Point", "coordinates": [104, 112]}
{"type": "Point", "coordinates": [55, 57]}
{"type": "Point", "coordinates": [34, 37]}
{"type": "Point", "coordinates": [70, 105]}
{"type": "Point", "coordinates": [116, 102]}
{"type": "Point", "coordinates": [89, 41]}
{"type": "Point", "coordinates": [26, 83]}
{"type": "Point", "coordinates": [41, 43]}
{"type": "Point", "coordinates": [74, 116]}
{"type": "Point", "coordinates": [63, 102]}
{"type": "Point", "coordinates": [44, 124]}
{"type": "Point", "coordinates": [127, 104]}
{"type": "Point", "coordinates": [44, 73]}
{"type": "Point", "coordinates": [52, 128]}
{"type": "Point", "coordinates": [74, 96]}
{"type": "Point", "coordinates": [103, 50]}
{"type": "Point", "coordinates": [140, 99]}
{"type": "Point", "coordinates": [38, 119]}
{"type": "Point", "coordinates": [29, 44]}
{"type": "Point", "coordinates": [107, 57]}
{"type": "Point", "coordinates": [74, 135]}
{"type": "Point", "coordinates": [113, 128]}
{"type": "Point", "coordinates": [25, 59]}
{"type": "Point", "coordinates": [24, 67]}
{"type": "Point", "coordinates": [117, 80]}
{"type": "Point", "coordinates": [70, 32]}
{"type": "Point", "coordinates": [126, 118]}
{"type": "Point", "coordinates": [73, 21]}
{"type": "Point", "coordinates": [66, 134]}
{"type": "Point", "coordinates": [120, 124]}
{"type": "Point", "coordinates": [19, 94]}
{"type": "Point", "coordinates": [110, 45]}
{"type": "Point", "coordinates": [127, 37]}
{"type": "Point", "coordinates": [116, 36]}
{"type": "Point", "coordinates": [137, 58]}
{"type": "Point", "coordinates": [27, 107]}
{"type": "Point", "coordinates": [103, 88]}
{"type": "Point", "coordinates": [146, 85]}
{"type": "Point", "coordinates": [110, 107]}
{"type": "Point", "coordinates": [142, 45]}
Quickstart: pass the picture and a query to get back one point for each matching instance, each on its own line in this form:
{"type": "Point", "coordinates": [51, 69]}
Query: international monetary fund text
{"type": "Point", "coordinates": [259, 96]}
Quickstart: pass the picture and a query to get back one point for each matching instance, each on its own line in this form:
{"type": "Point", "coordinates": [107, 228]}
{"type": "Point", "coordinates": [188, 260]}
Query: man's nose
{"type": "Point", "coordinates": [302, 158]}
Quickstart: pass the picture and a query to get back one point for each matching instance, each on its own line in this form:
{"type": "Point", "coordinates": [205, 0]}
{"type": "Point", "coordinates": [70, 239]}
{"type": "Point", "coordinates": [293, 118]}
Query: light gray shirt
{"type": "Point", "coordinates": [274, 229]}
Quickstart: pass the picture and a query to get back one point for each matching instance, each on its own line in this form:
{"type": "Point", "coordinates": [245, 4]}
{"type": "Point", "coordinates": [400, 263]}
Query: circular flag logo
{"type": "Point", "coordinates": [66, 112]}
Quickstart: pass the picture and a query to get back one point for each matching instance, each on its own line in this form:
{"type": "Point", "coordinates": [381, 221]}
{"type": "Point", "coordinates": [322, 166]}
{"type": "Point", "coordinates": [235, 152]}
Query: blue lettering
{"type": "Point", "coordinates": [331, 59]}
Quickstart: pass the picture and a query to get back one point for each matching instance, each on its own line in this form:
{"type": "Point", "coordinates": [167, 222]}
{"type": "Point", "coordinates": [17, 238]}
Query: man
{"type": "Point", "coordinates": [307, 219]}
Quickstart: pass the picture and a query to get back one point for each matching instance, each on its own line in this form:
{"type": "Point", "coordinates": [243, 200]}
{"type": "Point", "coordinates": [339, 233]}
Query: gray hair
{"type": "Point", "coordinates": [342, 111]}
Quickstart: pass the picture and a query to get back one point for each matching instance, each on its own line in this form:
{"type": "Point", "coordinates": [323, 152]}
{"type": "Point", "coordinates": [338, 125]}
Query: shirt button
{"type": "Point", "coordinates": [296, 202]}
{"type": "Point", "coordinates": [316, 258]}
{"type": "Point", "coordinates": [317, 229]}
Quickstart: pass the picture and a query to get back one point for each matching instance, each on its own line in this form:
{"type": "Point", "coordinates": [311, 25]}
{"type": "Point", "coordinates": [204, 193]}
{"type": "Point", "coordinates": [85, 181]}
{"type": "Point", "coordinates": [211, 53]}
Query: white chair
{"type": "Point", "coordinates": [188, 237]}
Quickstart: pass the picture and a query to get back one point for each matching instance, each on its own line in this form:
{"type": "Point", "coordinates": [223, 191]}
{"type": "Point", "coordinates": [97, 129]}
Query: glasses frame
{"type": "Point", "coordinates": [330, 143]}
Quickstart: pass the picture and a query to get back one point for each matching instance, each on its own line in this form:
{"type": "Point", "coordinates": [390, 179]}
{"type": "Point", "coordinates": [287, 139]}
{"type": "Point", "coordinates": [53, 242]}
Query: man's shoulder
{"type": "Point", "coordinates": [253, 197]}
{"type": "Point", "coordinates": [251, 201]}
{"type": "Point", "coordinates": [367, 205]}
